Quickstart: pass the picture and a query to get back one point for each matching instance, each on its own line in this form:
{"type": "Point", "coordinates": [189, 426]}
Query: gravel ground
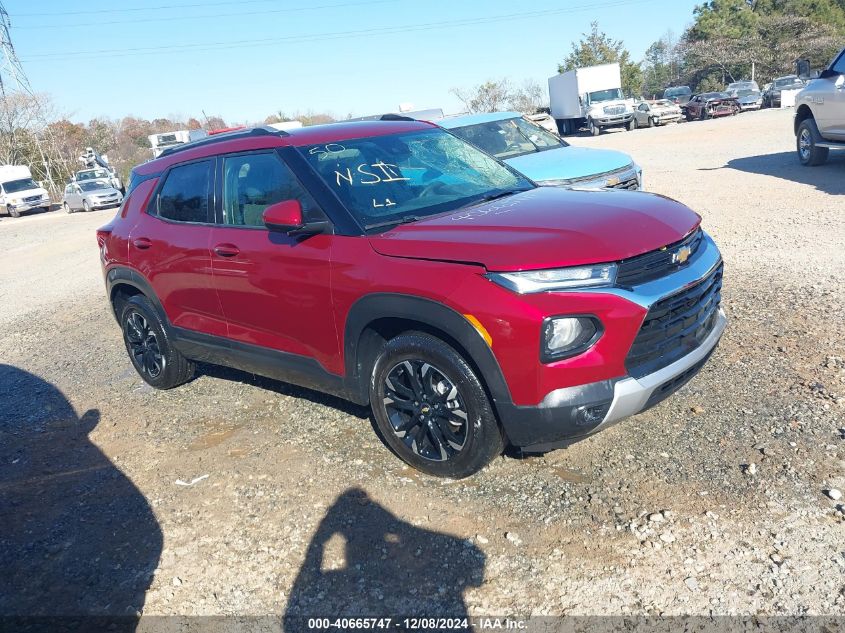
{"type": "Point", "coordinates": [235, 495]}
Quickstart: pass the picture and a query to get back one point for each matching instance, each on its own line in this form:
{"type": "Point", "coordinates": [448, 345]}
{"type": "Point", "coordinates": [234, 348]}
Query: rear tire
{"type": "Point", "coordinates": [431, 408]}
{"type": "Point", "coordinates": [149, 346]}
{"type": "Point", "coordinates": [809, 153]}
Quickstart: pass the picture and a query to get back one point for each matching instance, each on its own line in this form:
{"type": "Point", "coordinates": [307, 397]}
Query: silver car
{"type": "Point", "coordinates": [93, 194]}
{"type": "Point", "coordinates": [653, 113]}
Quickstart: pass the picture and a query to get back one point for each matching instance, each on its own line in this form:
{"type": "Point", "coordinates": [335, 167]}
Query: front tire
{"type": "Point", "coordinates": [594, 129]}
{"type": "Point", "coordinates": [632, 125]}
{"type": "Point", "coordinates": [149, 346]}
{"type": "Point", "coordinates": [85, 206]}
{"type": "Point", "coordinates": [66, 207]}
{"type": "Point", "coordinates": [14, 213]}
{"type": "Point", "coordinates": [431, 408]}
{"type": "Point", "coordinates": [810, 154]}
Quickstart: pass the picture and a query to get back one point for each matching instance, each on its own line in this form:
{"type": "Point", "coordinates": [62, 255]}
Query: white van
{"type": "Point", "coordinates": [19, 192]}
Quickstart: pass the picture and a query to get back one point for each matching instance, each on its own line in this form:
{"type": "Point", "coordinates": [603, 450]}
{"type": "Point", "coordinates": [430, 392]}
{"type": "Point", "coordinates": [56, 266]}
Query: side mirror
{"type": "Point", "coordinates": [286, 217]}
{"type": "Point", "coordinates": [828, 73]}
{"type": "Point", "coordinates": [283, 216]}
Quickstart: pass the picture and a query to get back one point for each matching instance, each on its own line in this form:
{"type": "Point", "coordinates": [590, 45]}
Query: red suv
{"type": "Point", "coordinates": [393, 264]}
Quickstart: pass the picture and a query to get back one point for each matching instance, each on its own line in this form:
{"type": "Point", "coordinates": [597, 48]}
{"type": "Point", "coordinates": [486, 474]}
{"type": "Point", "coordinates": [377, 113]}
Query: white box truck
{"type": "Point", "coordinates": [19, 192]}
{"type": "Point", "coordinates": [165, 140]}
{"type": "Point", "coordinates": [590, 96]}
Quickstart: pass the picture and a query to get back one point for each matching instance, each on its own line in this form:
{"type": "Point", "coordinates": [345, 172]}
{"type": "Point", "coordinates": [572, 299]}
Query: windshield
{"type": "Point", "coordinates": [677, 92]}
{"type": "Point", "coordinates": [14, 186]}
{"type": "Point", "coordinates": [93, 186]}
{"type": "Point", "coordinates": [611, 94]}
{"type": "Point", "coordinates": [392, 177]}
{"type": "Point", "coordinates": [787, 81]}
{"type": "Point", "coordinates": [90, 175]}
{"type": "Point", "coordinates": [509, 137]}
{"type": "Point", "coordinates": [746, 93]}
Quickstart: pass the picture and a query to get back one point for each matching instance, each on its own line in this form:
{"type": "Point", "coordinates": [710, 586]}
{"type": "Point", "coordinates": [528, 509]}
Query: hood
{"type": "Point", "coordinates": [109, 191]}
{"type": "Point", "coordinates": [547, 227]}
{"type": "Point", "coordinates": [568, 163]}
{"type": "Point", "coordinates": [664, 107]}
{"type": "Point", "coordinates": [752, 98]}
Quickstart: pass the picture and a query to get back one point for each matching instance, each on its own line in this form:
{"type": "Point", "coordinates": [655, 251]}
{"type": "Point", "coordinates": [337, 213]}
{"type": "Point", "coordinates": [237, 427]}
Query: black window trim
{"type": "Point", "coordinates": [219, 213]}
{"type": "Point", "coordinates": [152, 205]}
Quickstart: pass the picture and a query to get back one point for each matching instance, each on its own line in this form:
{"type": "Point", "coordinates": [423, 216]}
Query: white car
{"type": "Point", "coordinates": [89, 195]}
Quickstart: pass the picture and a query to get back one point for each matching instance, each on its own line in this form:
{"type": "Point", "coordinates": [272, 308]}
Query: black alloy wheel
{"type": "Point", "coordinates": [426, 410]}
{"type": "Point", "coordinates": [143, 345]}
{"type": "Point", "coordinates": [431, 409]}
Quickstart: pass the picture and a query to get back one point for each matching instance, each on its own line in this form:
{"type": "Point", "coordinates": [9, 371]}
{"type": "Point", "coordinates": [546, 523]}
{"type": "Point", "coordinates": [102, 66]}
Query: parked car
{"type": "Point", "coordinates": [711, 104]}
{"type": "Point", "coordinates": [820, 114]}
{"type": "Point", "coordinates": [749, 99]}
{"type": "Point", "coordinates": [543, 119]}
{"type": "Point", "coordinates": [542, 156]}
{"type": "Point", "coordinates": [745, 84]}
{"type": "Point", "coordinates": [100, 174]}
{"type": "Point", "coordinates": [88, 195]}
{"type": "Point", "coordinates": [654, 113]}
{"type": "Point", "coordinates": [393, 264]}
{"type": "Point", "coordinates": [771, 98]}
{"type": "Point", "coordinates": [678, 95]}
{"type": "Point", "coordinates": [19, 192]}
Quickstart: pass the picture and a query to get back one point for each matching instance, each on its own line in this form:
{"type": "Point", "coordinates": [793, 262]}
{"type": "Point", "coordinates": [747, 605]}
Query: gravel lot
{"type": "Point", "coordinates": [718, 501]}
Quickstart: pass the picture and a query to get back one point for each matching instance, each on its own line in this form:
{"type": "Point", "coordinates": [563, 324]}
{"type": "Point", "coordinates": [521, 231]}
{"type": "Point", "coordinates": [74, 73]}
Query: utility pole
{"type": "Point", "coordinates": [752, 71]}
{"type": "Point", "coordinates": [13, 81]}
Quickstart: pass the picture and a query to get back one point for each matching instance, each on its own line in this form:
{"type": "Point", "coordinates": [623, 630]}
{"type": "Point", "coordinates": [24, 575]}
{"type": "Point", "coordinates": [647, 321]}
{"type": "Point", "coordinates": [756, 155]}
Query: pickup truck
{"type": "Point", "coordinates": [820, 114]}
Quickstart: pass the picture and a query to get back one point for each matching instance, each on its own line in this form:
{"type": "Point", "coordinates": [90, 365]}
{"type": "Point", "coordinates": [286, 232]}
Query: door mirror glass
{"type": "Point", "coordinates": [283, 216]}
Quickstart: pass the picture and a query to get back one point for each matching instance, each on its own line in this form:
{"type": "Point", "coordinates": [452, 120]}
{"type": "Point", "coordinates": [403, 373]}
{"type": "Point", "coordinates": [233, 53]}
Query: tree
{"type": "Point", "coordinates": [491, 96]}
{"type": "Point", "coordinates": [528, 99]}
{"type": "Point", "coordinates": [596, 48]}
{"type": "Point", "coordinates": [661, 66]}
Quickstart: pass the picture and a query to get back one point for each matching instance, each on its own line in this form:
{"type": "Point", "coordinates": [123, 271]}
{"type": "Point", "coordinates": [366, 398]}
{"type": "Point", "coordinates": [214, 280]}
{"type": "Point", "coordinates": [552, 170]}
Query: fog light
{"type": "Point", "coordinates": [591, 415]}
{"type": "Point", "coordinates": [566, 336]}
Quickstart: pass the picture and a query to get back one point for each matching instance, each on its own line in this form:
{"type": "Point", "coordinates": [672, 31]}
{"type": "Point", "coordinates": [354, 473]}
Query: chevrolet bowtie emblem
{"type": "Point", "coordinates": [681, 255]}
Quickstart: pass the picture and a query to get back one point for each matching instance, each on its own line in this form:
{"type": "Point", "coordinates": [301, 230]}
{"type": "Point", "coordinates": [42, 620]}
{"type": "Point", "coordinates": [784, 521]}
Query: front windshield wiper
{"type": "Point", "coordinates": [495, 196]}
{"type": "Point", "coordinates": [407, 219]}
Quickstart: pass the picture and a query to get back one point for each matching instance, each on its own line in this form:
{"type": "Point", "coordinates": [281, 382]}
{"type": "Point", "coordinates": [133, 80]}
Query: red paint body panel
{"type": "Point", "coordinates": [275, 292]}
{"type": "Point", "coordinates": [547, 227]}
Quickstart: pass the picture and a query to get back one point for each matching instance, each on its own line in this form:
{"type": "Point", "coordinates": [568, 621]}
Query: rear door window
{"type": "Point", "coordinates": [184, 196]}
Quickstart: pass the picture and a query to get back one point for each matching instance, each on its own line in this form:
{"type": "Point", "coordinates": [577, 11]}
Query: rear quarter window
{"type": "Point", "coordinates": [184, 196]}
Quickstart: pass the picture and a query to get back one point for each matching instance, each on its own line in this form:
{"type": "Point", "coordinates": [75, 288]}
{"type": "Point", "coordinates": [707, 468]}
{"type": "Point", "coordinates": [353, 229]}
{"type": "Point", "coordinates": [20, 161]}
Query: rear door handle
{"type": "Point", "coordinates": [226, 250]}
{"type": "Point", "coordinates": [142, 243]}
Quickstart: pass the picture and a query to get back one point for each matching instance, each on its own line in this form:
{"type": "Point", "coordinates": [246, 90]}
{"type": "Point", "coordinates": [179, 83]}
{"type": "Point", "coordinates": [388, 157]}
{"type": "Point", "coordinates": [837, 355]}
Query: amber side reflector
{"type": "Point", "coordinates": [480, 329]}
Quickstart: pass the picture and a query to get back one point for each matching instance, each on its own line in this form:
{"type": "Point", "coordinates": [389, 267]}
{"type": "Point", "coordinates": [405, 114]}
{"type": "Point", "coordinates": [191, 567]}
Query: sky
{"type": "Point", "coordinates": [244, 60]}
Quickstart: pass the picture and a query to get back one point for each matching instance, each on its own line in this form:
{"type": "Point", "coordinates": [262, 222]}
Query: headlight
{"type": "Point", "coordinates": [567, 336]}
{"type": "Point", "coordinates": [530, 281]}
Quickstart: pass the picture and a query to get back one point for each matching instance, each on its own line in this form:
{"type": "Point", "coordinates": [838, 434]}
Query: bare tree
{"type": "Point", "coordinates": [491, 96]}
{"type": "Point", "coordinates": [531, 97]}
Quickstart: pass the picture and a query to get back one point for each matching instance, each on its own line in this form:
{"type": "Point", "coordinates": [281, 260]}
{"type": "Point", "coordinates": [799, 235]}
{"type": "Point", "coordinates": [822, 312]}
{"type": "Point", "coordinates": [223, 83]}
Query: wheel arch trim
{"type": "Point", "coordinates": [430, 313]}
{"type": "Point", "coordinates": [124, 276]}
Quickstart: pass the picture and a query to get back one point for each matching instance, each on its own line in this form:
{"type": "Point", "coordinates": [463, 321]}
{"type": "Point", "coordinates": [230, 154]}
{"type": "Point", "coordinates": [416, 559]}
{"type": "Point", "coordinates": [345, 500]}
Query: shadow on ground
{"type": "Point", "coordinates": [364, 561]}
{"type": "Point", "coordinates": [829, 177]}
{"type": "Point", "coordinates": [78, 539]}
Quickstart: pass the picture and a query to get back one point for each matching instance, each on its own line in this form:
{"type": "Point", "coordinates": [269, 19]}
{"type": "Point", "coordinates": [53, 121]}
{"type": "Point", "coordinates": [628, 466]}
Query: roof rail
{"type": "Point", "coordinates": [394, 117]}
{"type": "Point", "coordinates": [263, 130]}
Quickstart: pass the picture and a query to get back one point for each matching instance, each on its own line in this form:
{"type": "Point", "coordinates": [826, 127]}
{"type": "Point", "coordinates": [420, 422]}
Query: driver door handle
{"type": "Point", "coordinates": [226, 250]}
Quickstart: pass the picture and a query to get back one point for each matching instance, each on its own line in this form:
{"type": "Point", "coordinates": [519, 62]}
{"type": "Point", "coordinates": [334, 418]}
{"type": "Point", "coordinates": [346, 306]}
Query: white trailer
{"type": "Point", "coordinates": [590, 96]}
{"type": "Point", "coordinates": [160, 142]}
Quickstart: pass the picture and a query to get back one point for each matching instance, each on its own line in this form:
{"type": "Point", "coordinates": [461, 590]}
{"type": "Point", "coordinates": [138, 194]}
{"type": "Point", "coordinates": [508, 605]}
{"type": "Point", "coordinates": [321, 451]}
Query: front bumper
{"type": "Point", "coordinates": [35, 204]}
{"type": "Point", "coordinates": [102, 204]}
{"type": "Point", "coordinates": [612, 120]}
{"type": "Point", "coordinates": [569, 414]}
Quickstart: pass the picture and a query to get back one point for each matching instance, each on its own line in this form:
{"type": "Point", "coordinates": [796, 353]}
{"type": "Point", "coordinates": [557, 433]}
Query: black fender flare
{"type": "Point", "coordinates": [431, 314]}
{"type": "Point", "coordinates": [125, 276]}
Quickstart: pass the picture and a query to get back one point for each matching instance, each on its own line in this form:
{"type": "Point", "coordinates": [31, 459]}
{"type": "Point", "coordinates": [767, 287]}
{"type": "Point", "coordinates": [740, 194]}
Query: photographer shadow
{"type": "Point", "coordinates": [363, 561]}
{"type": "Point", "coordinates": [79, 543]}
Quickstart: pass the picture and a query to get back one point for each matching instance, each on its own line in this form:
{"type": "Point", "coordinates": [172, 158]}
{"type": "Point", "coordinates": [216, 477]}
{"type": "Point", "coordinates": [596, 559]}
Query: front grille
{"type": "Point", "coordinates": [614, 109]}
{"type": "Point", "coordinates": [32, 198]}
{"type": "Point", "coordinates": [631, 183]}
{"type": "Point", "coordinates": [676, 325]}
{"type": "Point", "coordinates": [656, 264]}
